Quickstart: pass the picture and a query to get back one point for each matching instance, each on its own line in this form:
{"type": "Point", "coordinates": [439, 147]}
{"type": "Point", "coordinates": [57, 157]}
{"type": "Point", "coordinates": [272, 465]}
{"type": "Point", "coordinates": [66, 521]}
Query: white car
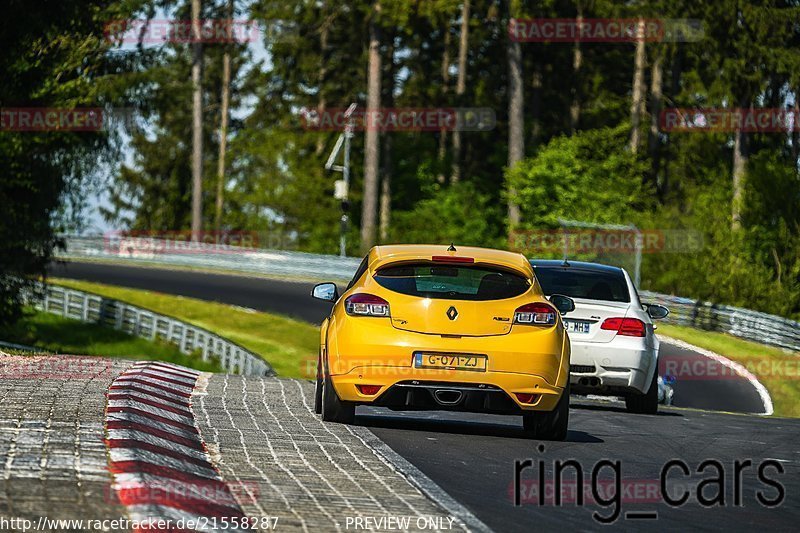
{"type": "Point", "coordinates": [614, 347]}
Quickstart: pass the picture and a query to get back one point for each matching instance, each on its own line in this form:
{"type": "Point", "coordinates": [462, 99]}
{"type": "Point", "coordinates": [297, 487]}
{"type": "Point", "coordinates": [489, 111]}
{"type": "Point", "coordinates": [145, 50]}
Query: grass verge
{"type": "Point", "coordinates": [55, 334]}
{"type": "Point", "coordinates": [289, 345]}
{"type": "Point", "coordinates": [775, 368]}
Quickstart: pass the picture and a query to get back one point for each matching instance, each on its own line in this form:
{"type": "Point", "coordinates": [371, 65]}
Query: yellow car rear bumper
{"type": "Point", "coordinates": [527, 360]}
{"type": "Point", "coordinates": [546, 396]}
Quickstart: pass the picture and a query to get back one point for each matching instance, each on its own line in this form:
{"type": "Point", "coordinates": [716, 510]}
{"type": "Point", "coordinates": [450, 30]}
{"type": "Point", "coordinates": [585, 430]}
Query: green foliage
{"type": "Point", "coordinates": [756, 268]}
{"type": "Point", "coordinates": [289, 345]}
{"type": "Point", "coordinates": [54, 56]}
{"type": "Point", "coordinates": [66, 336]}
{"type": "Point", "coordinates": [590, 176]}
{"type": "Point", "coordinates": [155, 191]}
{"type": "Point", "coordinates": [457, 214]}
{"type": "Point", "coordinates": [316, 58]}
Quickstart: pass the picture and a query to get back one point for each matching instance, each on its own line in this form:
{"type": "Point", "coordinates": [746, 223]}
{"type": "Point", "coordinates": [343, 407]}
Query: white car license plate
{"type": "Point", "coordinates": [577, 326]}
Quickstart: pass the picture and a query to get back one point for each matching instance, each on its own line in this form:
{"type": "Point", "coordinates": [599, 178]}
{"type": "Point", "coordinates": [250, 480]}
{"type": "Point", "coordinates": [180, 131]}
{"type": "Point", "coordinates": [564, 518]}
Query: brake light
{"type": "Point", "coordinates": [536, 314]}
{"type": "Point", "coordinates": [363, 304]}
{"type": "Point", "coordinates": [368, 390]}
{"type": "Point", "coordinates": [525, 397]}
{"type": "Point", "coordinates": [452, 259]}
{"type": "Point", "coordinates": [629, 327]}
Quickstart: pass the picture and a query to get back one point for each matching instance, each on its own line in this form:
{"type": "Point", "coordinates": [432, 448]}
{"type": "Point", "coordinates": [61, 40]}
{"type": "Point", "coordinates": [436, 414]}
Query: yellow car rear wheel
{"type": "Point", "coordinates": [334, 409]}
{"type": "Point", "coordinates": [549, 425]}
{"type": "Point", "coordinates": [318, 390]}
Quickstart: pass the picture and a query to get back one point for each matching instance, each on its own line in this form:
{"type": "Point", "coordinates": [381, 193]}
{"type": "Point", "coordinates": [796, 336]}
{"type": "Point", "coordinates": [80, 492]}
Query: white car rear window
{"type": "Point", "coordinates": [582, 283]}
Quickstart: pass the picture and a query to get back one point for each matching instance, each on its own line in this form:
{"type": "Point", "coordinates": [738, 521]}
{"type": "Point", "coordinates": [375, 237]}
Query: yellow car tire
{"type": "Point", "coordinates": [318, 390]}
{"type": "Point", "coordinates": [549, 425]}
{"type": "Point", "coordinates": [334, 409]}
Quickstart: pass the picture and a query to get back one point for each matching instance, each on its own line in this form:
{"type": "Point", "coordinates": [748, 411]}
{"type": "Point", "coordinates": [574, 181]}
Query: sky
{"type": "Point", "coordinates": [94, 223]}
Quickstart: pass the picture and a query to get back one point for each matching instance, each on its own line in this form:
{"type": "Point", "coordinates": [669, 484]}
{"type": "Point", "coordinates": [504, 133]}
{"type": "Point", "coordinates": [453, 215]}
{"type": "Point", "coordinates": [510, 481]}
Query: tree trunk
{"type": "Point", "coordinates": [445, 82]}
{"type": "Point", "coordinates": [372, 141]}
{"type": "Point", "coordinates": [223, 127]}
{"type": "Point", "coordinates": [577, 61]}
{"type": "Point", "coordinates": [676, 74]}
{"type": "Point", "coordinates": [322, 75]}
{"type": "Point", "coordinates": [386, 190]}
{"type": "Point", "coordinates": [796, 130]}
{"type": "Point", "coordinates": [637, 97]}
{"type": "Point", "coordinates": [536, 103]}
{"type": "Point", "coordinates": [461, 85]}
{"type": "Point", "coordinates": [385, 218]}
{"type": "Point", "coordinates": [656, 96]}
{"type": "Point", "coordinates": [197, 125]}
{"type": "Point", "coordinates": [516, 121]}
{"type": "Point", "coordinates": [739, 169]}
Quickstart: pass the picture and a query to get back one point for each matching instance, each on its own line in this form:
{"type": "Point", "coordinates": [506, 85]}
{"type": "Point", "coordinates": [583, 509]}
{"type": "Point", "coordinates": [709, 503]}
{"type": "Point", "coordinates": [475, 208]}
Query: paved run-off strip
{"type": "Point", "coordinates": [98, 439]}
{"type": "Point", "coordinates": [312, 476]}
{"type": "Point", "coordinates": [52, 454]}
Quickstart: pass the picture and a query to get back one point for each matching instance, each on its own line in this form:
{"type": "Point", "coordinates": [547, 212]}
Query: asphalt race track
{"type": "Point", "coordinates": [292, 299]}
{"type": "Point", "coordinates": [472, 457]}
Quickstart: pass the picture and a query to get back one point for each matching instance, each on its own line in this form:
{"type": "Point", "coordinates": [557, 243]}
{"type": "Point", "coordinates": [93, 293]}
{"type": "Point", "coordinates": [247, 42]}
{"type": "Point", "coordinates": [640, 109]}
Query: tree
{"type": "Point", "coordinates": [516, 117]}
{"type": "Point", "coordinates": [223, 127]}
{"type": "Point", "coordinates": [461, 84]}
{"type": "Point", "coordinates": [751, 54]}
{"type": "Point", "coordinates": [197, 124]}
{"type": "Point", "coordinates": [155, 191]}
{"type": "Point", "coordinates": [386, 160]}
{"type": "Point", "coordinates": [577, 62]}
{"type": "Point", "coordinates": [638, 91]}
{"type": "Point", "coordinates": [445, 87]}
{"type": "Point", "coordinates": [54, 56]}
{"type": "Point", "coordinates": [372, 140]}
{"type": "Point", "coordinates": [588, 176]}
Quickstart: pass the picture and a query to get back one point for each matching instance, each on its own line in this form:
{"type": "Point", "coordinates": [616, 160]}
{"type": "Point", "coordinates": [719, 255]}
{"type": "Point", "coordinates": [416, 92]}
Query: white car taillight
{"type": "Point", "coordinates": [629, 327]}
{"type": "Point", "coordinates": [536, 314]}
{"type": "Point", "coordinates": [363, 304]}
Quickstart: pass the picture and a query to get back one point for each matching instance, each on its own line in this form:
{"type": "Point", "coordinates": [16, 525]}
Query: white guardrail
{"type": "Point", "coordinates": [751, 325]}
{"type": "Point", "coordinates": [744, 323]}
{"type": "Point", "coordinates": [189, 339]}
{"type": "Point", "coordinates": [157, 252]}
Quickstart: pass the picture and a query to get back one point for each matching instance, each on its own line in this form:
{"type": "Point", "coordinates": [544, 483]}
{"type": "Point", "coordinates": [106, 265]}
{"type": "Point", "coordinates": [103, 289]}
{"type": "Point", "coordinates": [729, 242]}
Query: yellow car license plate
{"type": "Point", "coordinates": [473, 363]}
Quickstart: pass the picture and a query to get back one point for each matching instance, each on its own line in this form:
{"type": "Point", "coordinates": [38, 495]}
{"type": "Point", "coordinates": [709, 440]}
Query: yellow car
{"type": "Point", "coordinates": [438, 328]}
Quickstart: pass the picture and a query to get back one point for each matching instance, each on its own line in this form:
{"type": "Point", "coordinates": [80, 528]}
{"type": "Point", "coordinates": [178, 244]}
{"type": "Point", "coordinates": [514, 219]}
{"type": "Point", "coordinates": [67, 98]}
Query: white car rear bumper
{"type": "Point", "coordinates": [624, 363]}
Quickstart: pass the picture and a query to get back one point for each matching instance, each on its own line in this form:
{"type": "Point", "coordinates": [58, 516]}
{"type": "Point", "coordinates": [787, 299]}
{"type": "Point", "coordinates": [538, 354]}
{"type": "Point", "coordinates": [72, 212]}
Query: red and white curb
{"type": "Point", "coordinates": [160, 465]}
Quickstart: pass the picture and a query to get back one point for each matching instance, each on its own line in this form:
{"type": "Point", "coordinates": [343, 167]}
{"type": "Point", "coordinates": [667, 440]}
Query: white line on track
{"type": "Point", "coordinates": [733, 365]}
{"type": "Point", "coordinates": [437, 494]}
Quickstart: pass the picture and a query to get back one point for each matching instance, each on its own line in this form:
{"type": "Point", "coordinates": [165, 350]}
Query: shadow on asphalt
{"type": "Point", "coordinates": [617, 409]}
{"type": "Point", "coordinates": [486, 429]}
